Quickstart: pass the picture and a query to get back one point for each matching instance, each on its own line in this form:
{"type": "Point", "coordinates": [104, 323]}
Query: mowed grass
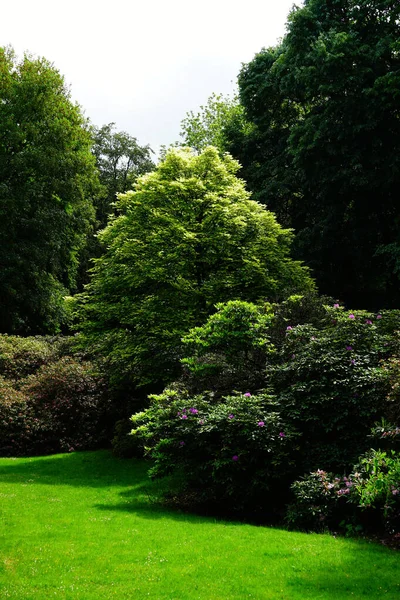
{"type": "Point", "coordinates": [85, 526]}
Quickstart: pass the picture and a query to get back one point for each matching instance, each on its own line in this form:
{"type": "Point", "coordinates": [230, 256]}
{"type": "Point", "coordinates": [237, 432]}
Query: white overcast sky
{"type": "Point", "coordinates": [144, 65]}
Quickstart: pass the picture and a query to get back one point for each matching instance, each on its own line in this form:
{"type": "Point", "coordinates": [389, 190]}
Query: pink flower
{"type": "Point", "coordinates": [379, 316]}
{"type": "Point", "coordinates": [247, 395]}
{"type": "Point", "coordinates": [289, 328]}
{"type": "Point", "coordinates": [368, 322]}
{"type": "Point", "coordinates": [194, 411]}
{"type": "Point", "coordinates": [201, 422]}
{"type": "Point", "coordinates": [395, 492]}
{"type": "Point", "coordinates": [235, 458]}
{"type": "Point", "coordinates": [181, 443]}
{"type": "Point", "coordinates": [351, 316]}
{"type": "Point", "coordinates": [282, 435]}
{"type": "Point", "coordinates": [184, 416]}
{"type": "Point", "coordinates": [336, 306]}
{"type": "Point", "coordinates": [261, 423]}
{"type": "Point", "coordinates": [231, 416]}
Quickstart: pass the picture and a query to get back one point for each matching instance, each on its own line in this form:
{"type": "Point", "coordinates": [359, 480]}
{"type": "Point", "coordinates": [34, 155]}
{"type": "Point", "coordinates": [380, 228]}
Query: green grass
{"type": "Point", "coordinates": [84, 526]}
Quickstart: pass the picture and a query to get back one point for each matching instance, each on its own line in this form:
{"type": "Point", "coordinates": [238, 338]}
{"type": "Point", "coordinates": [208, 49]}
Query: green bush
{"type": "Point", "coordinates": [372, 488]}
{"type": "Point", "coordinates": [123, 444]}
{"type": "Point", "coordinates": [68, 399]}
{"type": "Point", "coordinates": [17, 423]}
{"type": "Point", "coordinates": [236, 453]}
{"type": "Point", "coordinates": [331, 384]}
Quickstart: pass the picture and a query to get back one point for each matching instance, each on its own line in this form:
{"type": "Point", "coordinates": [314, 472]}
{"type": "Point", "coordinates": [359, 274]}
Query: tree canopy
{"type": "Point", "coordinates": [120, 161]}
{"type": "Point", "coordinates": [188, 237]}
{"type": "Point", "coordinates": [323, 152]}
{"type": "Point", "coordinates": [48, 180]}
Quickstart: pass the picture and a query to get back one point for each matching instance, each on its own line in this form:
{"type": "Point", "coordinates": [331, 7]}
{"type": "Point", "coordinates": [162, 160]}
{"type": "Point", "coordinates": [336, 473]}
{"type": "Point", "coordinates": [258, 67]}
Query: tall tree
{"type": "Point", "coordinates": [324, 150]}
{"type": "Point", "coordinates": [187, 238]}
{"type": "Point", "coordinates": [210, 125]}
{"type": "Point", "coordinates": [48, 179]}
{"type": "Point", "coordinates": [120, 161]}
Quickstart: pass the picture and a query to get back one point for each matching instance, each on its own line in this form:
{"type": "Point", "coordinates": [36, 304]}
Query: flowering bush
{"type": "Point", "coordinates": [237, 452]}
{"type": "Point", "coordinates": [331, 384]}
{"type": "Point", "coordinates": [324, 500]}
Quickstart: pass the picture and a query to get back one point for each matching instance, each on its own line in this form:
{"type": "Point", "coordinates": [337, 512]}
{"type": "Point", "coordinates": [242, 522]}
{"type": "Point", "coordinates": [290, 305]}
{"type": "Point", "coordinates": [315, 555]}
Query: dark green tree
{"type": "Point", "coordinates": [48, 179]}
{"type": "Point", "coordinates": [187, 238]}
{"type": "Point", "coordinates": [324, 150]}
{"type": "Point", "coordinates": [120, 161]}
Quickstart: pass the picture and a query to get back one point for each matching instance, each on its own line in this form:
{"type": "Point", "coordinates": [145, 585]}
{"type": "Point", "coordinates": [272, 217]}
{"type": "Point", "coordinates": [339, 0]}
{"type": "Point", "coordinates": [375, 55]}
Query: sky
{"type": "Point", "coordinates": [144, 65]}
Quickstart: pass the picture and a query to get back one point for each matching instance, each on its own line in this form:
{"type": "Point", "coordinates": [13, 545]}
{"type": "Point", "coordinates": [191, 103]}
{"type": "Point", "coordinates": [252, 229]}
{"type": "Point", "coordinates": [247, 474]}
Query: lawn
{"type": "Point", "coordinates": [85, 526]}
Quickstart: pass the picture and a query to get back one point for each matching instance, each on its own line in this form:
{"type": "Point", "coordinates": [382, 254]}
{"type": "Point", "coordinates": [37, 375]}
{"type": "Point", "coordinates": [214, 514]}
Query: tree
{"type": "Point", "coordinates": [48, 179]}
{"type": "Point", "coordinates": [187, 238]}
{"type": "Point", "coordinates": [210, 125]}
{"type": "Point", "coordinates": [120, 161]}
{"type": "Point", "coordinates": [325, 144]}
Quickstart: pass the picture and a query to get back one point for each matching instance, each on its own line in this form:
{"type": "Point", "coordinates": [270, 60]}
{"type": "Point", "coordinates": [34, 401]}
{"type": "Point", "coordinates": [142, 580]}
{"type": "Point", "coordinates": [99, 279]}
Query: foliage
{"type": "Point", "coordinates": [16, 421]}
{"type": "Point", "coordinates": [230, 350]}
{"type": "Point", "coordinates": [21, 356]}
{"type": "Point", "coordinates": [120, 161]}
{"type": "Point", "coordinates": [187, 238]}
{"type": "Point", "coordinates": [209, 126]}
{"type": "Point", "coordinates": [49, 401]}
{"type": "Point", "coordinates": [321, 502]}
{"type": "Point", "coordinates": [69, 403]}
{"type": "Point", "coordinates": [123, 445]}
{"type": "Point", "coordinates": [331, 385]}
{"type": "Point", "coordinates": [323, 150]}
{"type": "Point", "coordinates": [373, 485]}
{"type": "Point", "coordinates": [48, 181]}
{"type": "Point", "coordinates": [236, 452]}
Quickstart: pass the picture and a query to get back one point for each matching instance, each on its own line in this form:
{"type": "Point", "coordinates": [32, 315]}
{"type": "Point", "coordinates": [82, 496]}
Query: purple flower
{"type": "Point", "coordinates": [231, 416]}
{"type": "Point", "coordinates": [349, 348]}
{"type": "Point", "coordinates": [336, 306]}
{"type": "Point", "coordinates": [181, 443]}
{"type": "Point", "coordinates": [379, 316]}
{"type": "Point", "coordinates": [184, 416]}
{"type": "Point", "coordinates": [247, 395]}
{"type": "Point", "coordinates": [282, 435]}
{"type": "Point", "coordinates": [293, 356]}
{"type": "Point", "coordinates": [351, 316]}
{"type": "Point", "coordinates": [395, 492]}
{"type": "Point", "coordinates": [235, 458]}
{"type": "Point", "coordinates": [194, 411]}
{"type": "Point", "coordinates": [261, 423]}
{"type": "Point", "coordinates": [353, 362]}
{"type": "Point", "coordinates": [289, 328]}
{"type": "Point", "coordinates": [368, 322]}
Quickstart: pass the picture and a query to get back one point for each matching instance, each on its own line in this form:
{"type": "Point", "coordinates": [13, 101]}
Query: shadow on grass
{"type": "Point", "coordinates": [81, 469]}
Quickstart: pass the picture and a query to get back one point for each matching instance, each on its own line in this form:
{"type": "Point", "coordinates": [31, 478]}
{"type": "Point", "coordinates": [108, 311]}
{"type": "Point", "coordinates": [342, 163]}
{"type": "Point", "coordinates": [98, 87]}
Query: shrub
{"type": "Point", "coordinates": [230, 350]}
{"type": "Point", "coordinates": [331, 385]}
{"type": "Point", "coordinates": [68, 400]}
{"type": "Point", "coordinates": [237, 452]}
{"type": "Point", "coordinates": [123, 444]}
{"type": "Point", "coordinates": [17, 424]}
{"type": "Point", "coordinates": [373, 488]}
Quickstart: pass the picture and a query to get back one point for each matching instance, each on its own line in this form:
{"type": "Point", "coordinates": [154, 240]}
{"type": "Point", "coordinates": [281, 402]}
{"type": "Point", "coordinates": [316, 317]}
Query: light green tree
{"type": "Point", "coordinates": [188, 237]}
